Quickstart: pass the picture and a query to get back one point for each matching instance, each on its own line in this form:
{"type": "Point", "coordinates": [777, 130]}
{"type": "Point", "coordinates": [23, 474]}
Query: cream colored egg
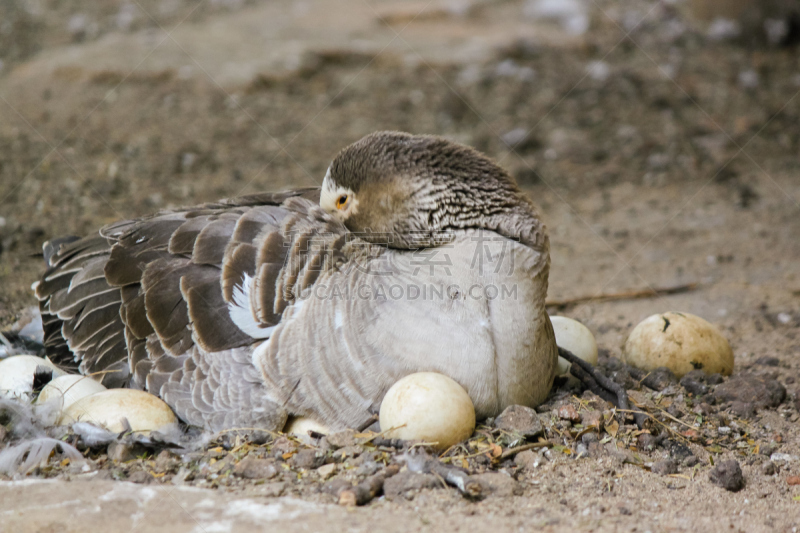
{"type": "Point", "coordinates": [16, 375]}
{"type": "Point", "coordinates": [68, 389]}
{"type": "Point", "coordinates": [680, 342]}
{"type": "Point", "coordinates": [575, 337]}
{"type": "Point", "coordinates": [429, 407]}
{"type": "Point", "coordinates": [299, 426]}
{"type": "Point", "coordinates": [144, 411]}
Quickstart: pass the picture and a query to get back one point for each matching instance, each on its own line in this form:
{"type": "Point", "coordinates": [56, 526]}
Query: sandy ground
{"type": "Point", "coordinates": [656, 155]}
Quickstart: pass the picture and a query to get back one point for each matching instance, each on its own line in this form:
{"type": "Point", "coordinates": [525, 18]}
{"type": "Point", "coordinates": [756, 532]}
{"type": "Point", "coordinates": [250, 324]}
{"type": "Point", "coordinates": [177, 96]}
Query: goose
{"type": "Point", "coordinates": [416, 254]}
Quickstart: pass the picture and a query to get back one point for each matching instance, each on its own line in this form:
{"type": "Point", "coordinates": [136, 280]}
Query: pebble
{"type": "Point", "coordinates": [694, 382]}
{"type": "Point", "coordinates": [528, 460]}
{"type": "Point", "coordinates": [593, 419]}
{"type": "Point", "coordinates": [407, 484]}
{"type": "Point", "coordinates": [760, 391]}
{"type": "Point", "coordinates": [140, 476]}
{"type": "Point", "coordinates": [568, 412]}
{"type": "Point", "coordinates": [519, 419]}
{"type": "Point", "coordinates": [342, 439]}
{"type": "Point", "coordinates": [252, 468]}
{"type": "Point", "coordinates": [326, 471]}
{"type": "Point", "coordinates": [498, 484]}
{"type": "Point", "coordinates": [793, 480]}
{"type": "Point", "coordinates": [665, 467]}
{"type": "Point", "coordinates": [306, 459]}
{"type": "Point", "coordinates": [769, 468]}
{"type": "Point", "coordinates": [728, 475]}
{"type": "Point", "coordinates": [659, 379]}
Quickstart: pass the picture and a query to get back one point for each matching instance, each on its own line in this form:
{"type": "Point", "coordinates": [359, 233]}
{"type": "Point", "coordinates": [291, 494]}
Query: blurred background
{"type": "Point", "coordinates": [660, 139]}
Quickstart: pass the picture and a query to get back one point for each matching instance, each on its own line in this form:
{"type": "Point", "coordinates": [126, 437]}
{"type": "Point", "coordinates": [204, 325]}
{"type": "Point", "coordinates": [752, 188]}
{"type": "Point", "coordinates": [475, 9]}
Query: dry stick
{"type": "Point", "coordinates": [456, 477]}
{"type": "Point", "coordinates": [365, 491]}
{"type": "Point", "coordinates": [598, 383]}
{"type": "Point", "coordinates": [511, 452]}
{"type": "Point", "coordinates": [624, 295]}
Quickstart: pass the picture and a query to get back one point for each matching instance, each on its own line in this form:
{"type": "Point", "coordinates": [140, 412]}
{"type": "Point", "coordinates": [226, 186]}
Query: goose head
{"type": "Point", "coordinates": [413, 191]}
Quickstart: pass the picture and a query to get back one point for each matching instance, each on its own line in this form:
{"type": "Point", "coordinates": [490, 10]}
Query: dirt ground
{"type": "Point", "coordinates": [658, 156]}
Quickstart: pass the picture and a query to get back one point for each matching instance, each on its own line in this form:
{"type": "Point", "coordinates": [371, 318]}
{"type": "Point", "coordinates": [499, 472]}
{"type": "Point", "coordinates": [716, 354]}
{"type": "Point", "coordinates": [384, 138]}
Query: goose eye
{"type": "Point", "coordinates": [341, 201]}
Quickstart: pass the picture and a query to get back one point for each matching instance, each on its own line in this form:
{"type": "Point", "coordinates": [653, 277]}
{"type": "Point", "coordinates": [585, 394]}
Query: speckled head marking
{"type": "Point", "coordinates": [413, 191]}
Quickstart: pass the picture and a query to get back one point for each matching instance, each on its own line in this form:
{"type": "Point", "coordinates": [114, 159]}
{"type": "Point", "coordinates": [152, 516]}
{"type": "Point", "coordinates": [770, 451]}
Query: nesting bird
{"type": "Point", "coordinates": [416, 255]}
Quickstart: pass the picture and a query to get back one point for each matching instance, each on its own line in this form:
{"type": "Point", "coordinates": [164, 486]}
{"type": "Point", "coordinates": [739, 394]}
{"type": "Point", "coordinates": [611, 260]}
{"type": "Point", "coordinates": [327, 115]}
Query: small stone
{"type": "Point", "coordinates": [408, 483]}
{"type": "Point", "coordinates": [140, 476]}
{"type": "Point", "coordinates": [306, 459]}
{"type": "Point", "coordinates": [166, 461]}
{"type": "Point", "coordinates": [693, 384]}
{"type": "Point", "coordinates": [273, 490]}
{"type": "Point", "coordinates": [769, 468]}
{"type": "Point", "coordinates": [568, 412]}
{"type": "Point", "coordinates": [767, 360]}
{"type": "Point", "coordinates": [659, 379]}
{"type": "Point", "coordinates": [623, 378]}
{"type": "Point", "coordinates": [760, 391]}
{"type": "Point", "coordinates": [767, 449]}
{"type": "Point", "coordinates": [793, 480]}
{"type": "Point", "coordinates": [326, 471]}
{"type": "Point", "coordinates": [665, 467]}
{"type": "Point", "coordinates": [252, 468]}
{"type": "Point", "coordinates": [527, 460]}
{"type": "Point", "coordinates": [283, 445]}
{"type": "Point", "coordinates": [121, 452]}
{"type": "Point", "coordinates": [690, 461]}
{"type": "Point", "coordinates": [501, 485]}
{"type": "Point", "coordinates": [592, 419]}
{"type": "Point", "coordinates": [743, 410]}
{"type": "Point", "coordinates": [347, 452]}
{"type": "Point", "coordinates": [520, 420]}
{"type": "Point", "coordinates": [728, 475]}
{"type": "Point", "coordinates": [647, 442]}
{"type": "Point", "coordinates": [342, 439]}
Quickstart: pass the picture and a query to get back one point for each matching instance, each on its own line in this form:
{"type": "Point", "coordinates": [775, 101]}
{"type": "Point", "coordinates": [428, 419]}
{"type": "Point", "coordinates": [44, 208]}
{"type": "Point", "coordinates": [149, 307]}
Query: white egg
{"type": "Point", "coordinates": [575, 337]}
{"type": "Point", "coordinates": [16, 375]}
{"type": "Point", "coordinates": [679, 341]}
{"type": "Point", "coordinates": [299, 426]}
{"type": "Point", "coordinates": [68, 389]}
{"type": "Point", "coordinates": [429, 407]}
{"type": "Point", "coordinates": [144, 411]}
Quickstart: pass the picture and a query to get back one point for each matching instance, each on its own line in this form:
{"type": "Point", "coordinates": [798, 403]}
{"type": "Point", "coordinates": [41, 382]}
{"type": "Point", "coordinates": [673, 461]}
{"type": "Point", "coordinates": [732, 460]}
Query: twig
{"type": "Point", "coordinates": [365, 491]}
{"type": "Point", "coordinates": [511, 452]}
{"type": "Point", "coordinates": [624, 295]}
{"type": "Point", "coordinates": [601, 385]}
{"type": "Point", "coordinates": [457, 478]}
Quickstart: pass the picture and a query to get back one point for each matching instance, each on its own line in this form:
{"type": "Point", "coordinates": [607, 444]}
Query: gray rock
{"type": "Point", "coordinates": [527, 460]}
{"type": "Point", "coordinates": [252, 468]}
{"type": "Point", "coordinates": [659, 379]}
{"type": "Point", "coordinates": [760, 391]}
{"type": "Point", "coordinates": [519, 419]}
{"type": "Point", "coordinates": [306, 459]}
{"type": "Point", "coordinates": [498, 484]}
{"type": "Point", "coordinates": [141, 476]}
{"type": "Point", "coordinates": [694, 382]}
{"type": "Point", "coordinates": [407, 484]}
{"type": "Point", "coordinates": [728, 475]}
{"type": "Point", "coordinates": [342, 439]}
{"type": "Point", "coordinates": [665, 467]}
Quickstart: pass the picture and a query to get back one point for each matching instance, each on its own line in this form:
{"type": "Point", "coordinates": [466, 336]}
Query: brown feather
{"type": "Point", "coordinates": [166, 309]}
{"type": "Point", "coordinates": [213, 328]}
